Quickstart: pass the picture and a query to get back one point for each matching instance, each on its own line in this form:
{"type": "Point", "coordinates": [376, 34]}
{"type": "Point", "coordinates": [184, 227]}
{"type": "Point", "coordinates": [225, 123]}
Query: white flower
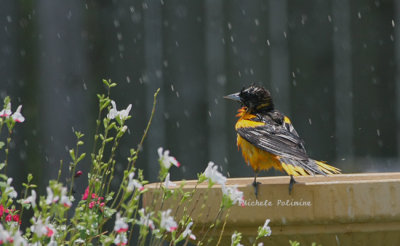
{"type": "Point", "coordinates": [43, 229]}
{"type": "Point", "coordinates": [113, 111]}
{"type": "Point", "coordinates": [79, 241]}
{"type": "Point", "coordinates": [120, 225]}
{"type": "Point", "coordinates": [17, 116]}
{"type": "Point", "coordinates": [4, 235]}
{"type": "Point", "coordinates": [235, 195]}
{"type": "Point", "coordinates": [166, 160]}
{"type": "Point", "coordinates": [31, 199]}
{"type": "Point", "coordinates": [167, 221]}
{"type": "Point", "coordinates": [121, 239]}
{"type": "Point", "coordinates": [145, 219]}
{"type": "Point", "coordinates": [260, 244]}
{"type": "Point", "coordinates": [6, 112]}
{"type": "Point", "coordinates": [168, 184]}
{"type": "Point", "coordinates": [50, 196]}
{"type": "Point", "coordinates": [188, 232]}
{"type": "Point", "coordinates": [124, 128]}
{"type": "Point", "coordinates": [133, 183]}
{"type": "Point", "coordinates": [212, 174]}
{"type": "Point", "coordinates": [265, 231]}
{"type": "Point", "coordinates": [10, 190]}
{"type": "Point", "coordinates": [123, 114]}
{"type": "Point", "coordinates": [19, 240]}
{"type": "Point", "coordinates": [236, 237]}
{"type": "Point", "coordinates": [64, 198]}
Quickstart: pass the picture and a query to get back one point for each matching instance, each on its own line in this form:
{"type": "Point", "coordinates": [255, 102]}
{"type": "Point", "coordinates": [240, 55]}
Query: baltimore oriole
{"type": "Point", "coordinates": [268, 139]}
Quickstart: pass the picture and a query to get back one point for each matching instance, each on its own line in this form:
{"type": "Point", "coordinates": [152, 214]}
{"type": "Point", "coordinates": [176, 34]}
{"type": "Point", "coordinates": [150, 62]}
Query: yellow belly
{"type": "Point", "coordinates": [257, 158]}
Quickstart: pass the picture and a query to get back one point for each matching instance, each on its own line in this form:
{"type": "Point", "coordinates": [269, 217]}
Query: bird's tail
{"type": "Point", "coordinates": [327, 169]}
{"type": "Point", "coordinates": [307, 167]}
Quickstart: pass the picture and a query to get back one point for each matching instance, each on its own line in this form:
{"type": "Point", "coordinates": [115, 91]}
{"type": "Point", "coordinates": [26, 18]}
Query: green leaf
{"type": "Point", "coordinates": [106, 83]}
{"type": "Point", "coordinates": [81, 157]}
{"type": "Point", "coordinates": [1, 144]}
{"type": "Point", "coordinates": [72, 154]}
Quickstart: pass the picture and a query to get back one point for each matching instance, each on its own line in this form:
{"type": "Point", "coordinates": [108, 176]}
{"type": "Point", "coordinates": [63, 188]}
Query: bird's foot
{"type": "Point", "coordinates": [255, 185]}
{"type": "Point", "coordinates": [292, 182]}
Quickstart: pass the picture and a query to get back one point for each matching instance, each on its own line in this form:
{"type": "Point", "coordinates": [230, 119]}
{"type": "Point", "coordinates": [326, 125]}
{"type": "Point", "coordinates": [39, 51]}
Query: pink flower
{"type": "Point", "coordinates": [145, 219]}
{"type": "Point", "coordinates": [167, 221]}
{"type": "Point", "coordinates": [78, 174]}
{"type": "Point", "coordinates": [17, 116]}
{"type": "Point", "coordinates": [165, 160]}
{"type": "Point", "coordinates": [50, 232]}
{"type": "Point", "coordinates": [16, 218]}
{"type": "Point", "coordinates": [31, 199]}
{"type": "Point", "coordinates": [6, 112]}
{"type": "Point", "coordinates": [120, 225]}
{"type": "Point", "coordinates": [86, 194]}
{"type": "Point", "coordinates": [133, 183]}
{"type": "Point", "coordinates": [91, 204]}
{"type": "Point", "coordinates": [188, 232]}
{"type": "Point", "coordinates": [50, 196]}
{"type": "Point", "coordinates": [121, 239]}
{"type": "Point", "coordinates": [9, 218]}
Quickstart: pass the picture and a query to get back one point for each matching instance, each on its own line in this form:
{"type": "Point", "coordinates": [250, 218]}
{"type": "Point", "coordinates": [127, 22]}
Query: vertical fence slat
{"type": "Point", "coordinates": [62, 65]}
{"type": "Point", "coordinates": [279, 56]}
{"type": "Point", "coordinates": [216, 80]}
{"type": "Point", "coordinates": [343, 79]}
{"type": "Point", "coordinates": [153, 76]}
{"type": "Point", "coordinates": [397, 74]}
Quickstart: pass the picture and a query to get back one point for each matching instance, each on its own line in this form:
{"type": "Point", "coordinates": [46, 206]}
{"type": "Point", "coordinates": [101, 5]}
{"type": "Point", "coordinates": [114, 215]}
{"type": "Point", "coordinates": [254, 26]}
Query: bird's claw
{"type": "Point", "coordinates": [292, 182]}
{"type": "Point", "coordinates": [255, 185]}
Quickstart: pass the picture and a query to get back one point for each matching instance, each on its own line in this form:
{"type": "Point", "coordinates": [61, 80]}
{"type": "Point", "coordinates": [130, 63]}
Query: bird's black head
{"type": "Point", "coordinates": [255, 98]}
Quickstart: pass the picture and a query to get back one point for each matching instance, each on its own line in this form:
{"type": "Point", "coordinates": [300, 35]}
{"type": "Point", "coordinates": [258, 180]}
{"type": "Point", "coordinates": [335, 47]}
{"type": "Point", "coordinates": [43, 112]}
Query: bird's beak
{"type": "Point", "coordinates": [234, 97]}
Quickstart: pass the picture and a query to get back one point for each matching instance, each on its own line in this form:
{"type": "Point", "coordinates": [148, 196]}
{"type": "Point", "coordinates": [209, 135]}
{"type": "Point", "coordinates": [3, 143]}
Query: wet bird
{"type": "Point", "coordinates": [268, 139]}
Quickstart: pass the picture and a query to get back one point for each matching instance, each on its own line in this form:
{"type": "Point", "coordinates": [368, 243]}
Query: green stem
{"type": "Point", "coordinates": [132, 163]}
{"type": "Point", "coordinates": [6, 151]}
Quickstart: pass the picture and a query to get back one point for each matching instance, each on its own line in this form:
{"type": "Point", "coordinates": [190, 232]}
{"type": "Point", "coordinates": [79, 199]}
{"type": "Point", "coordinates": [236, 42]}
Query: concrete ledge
{"type": "Point", "coordinates": [346, 209]}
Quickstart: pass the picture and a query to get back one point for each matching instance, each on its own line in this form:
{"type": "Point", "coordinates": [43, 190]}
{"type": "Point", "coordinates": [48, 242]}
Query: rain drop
{"type": "Point", "coordinates": [177, 124]}
{"type": "Point", "coordinates": [309, 121]}
{"type": "Point", "coordinates": [257, 22]}
{"type": "Point", "coordinates": [209, 113]}
{"type": "Point", "coordinates": [128, 79]}
{"type": "Point", "coordinates": [165, 63]}
{"type": "Point", "coordinates": [393, 23]}
{"type": "Point", "coordinates": [268, 43]}
{"type": "Point", "coordinates": [378, 132]}
{"type": "Point", "coordinates": [359, 15]}
{"type": "Point", "coordinates": [84, 86]}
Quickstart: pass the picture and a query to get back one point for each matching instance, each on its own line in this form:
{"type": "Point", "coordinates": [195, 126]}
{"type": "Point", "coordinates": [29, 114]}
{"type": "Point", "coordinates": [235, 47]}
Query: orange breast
{"type": "Point", "coordinates": [257, 158]}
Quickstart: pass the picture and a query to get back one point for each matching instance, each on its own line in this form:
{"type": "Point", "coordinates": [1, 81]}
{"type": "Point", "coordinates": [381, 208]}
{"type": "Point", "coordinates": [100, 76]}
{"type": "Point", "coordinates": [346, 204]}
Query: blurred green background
{"type": "Point", "coordinates": [332, 66]}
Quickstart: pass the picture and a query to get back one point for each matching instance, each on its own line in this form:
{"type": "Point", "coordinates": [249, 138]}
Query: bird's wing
{"type": "Point", "coordinates": [281, 140]}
